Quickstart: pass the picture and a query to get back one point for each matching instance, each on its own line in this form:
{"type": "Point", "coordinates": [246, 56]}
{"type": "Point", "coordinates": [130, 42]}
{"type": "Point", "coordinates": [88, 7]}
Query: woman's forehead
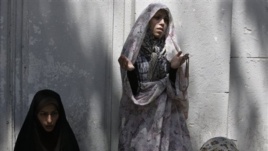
{"type": "Point", "coordinates": [48, 108]}
{"type": "Point", "coordinates": [47, 101]}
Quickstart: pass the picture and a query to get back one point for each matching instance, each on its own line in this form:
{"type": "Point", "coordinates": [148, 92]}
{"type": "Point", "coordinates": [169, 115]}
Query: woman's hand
{"type": "Point", "coordinates": [178, 60]}
{"type": "Point", "coordinates": [125, 63]}
{"type": "Point", "coordinates": [185, 115]}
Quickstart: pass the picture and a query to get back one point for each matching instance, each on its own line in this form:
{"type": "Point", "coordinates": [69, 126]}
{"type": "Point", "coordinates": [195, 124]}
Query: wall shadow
{"type": "Point", "coordinates": [244, 86]}
{"type": "Point", "coordinates": [68, 52]}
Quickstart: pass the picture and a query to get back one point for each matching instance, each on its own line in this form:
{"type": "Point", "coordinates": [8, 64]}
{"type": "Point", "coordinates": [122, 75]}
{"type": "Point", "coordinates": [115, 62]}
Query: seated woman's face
{"type": "Point", "coordinates": [158, 24]}
{"type": "Point", "coordinates": [48, 117]}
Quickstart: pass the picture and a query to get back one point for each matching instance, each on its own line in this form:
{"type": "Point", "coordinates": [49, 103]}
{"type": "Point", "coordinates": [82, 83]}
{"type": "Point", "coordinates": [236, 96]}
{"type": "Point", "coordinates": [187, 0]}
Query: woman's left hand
{"type": "Point", "coordinates": [125, 63]}
{"type": "Point", "coordinates": [178, 60]}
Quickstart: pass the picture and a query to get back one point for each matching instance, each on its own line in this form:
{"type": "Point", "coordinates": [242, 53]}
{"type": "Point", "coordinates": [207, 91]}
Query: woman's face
{"type": "Point", "coordinates": [48, 117]}
{"type": "Point", "coordinates": [158, 24]}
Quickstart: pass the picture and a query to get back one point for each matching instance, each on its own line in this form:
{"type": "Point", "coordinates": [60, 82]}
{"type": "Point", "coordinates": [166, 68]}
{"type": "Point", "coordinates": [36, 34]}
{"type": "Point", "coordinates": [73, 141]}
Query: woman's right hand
{"type": "Point", "coordinates": [178, 60]}
{"type": "Point", "coordinates": [125, 63]}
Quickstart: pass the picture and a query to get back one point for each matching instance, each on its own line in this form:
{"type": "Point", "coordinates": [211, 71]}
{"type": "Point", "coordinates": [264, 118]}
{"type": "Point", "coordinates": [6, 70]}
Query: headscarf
{"type": "Point", "coordinates": [133, 44]}
{"type": "Point", "coordinates": [136, 36]}
{"type": "Point", "coordinates": [33, 137]}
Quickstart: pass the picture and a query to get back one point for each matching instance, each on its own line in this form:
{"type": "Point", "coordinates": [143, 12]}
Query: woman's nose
{"type": "Point", "coordinates": [162, 21]}
{"type": "Point", "coordinates": [49, 119]}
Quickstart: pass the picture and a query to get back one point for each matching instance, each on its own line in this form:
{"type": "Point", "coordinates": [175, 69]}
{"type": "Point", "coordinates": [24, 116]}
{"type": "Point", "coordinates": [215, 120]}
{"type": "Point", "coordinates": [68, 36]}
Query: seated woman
{"type": "Point", "coordinates": [46, 127]}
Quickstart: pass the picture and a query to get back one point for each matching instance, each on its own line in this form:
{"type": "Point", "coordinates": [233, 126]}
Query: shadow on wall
{"type": "Point", "coordinates": [248, 74]}
{"type": "Point", "coordinates": [257, 11]}
{"type": "Point", "coordinates": [68, 52]}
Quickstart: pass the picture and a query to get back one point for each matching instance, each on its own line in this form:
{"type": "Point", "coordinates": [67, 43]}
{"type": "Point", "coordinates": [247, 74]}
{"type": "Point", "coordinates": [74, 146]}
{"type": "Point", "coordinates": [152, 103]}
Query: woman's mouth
{"type": "Point", "coordinates": [160, 29]}
{"type": "Point", "coordinates": [49, 127]}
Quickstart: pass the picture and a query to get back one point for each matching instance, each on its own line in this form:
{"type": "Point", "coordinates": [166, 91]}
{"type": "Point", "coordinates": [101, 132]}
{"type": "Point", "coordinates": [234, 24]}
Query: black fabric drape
{"type": "Point", "coordinates": [33, 137]}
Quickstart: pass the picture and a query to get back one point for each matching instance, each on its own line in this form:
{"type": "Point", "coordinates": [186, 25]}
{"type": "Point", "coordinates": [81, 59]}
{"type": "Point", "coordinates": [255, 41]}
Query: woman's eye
{"type": "Point", "coordinates": [54, 113]}
{"type": "Point", "coordinates": [43, 114]}
{"type": "Point", "coordinates": [166, 19]}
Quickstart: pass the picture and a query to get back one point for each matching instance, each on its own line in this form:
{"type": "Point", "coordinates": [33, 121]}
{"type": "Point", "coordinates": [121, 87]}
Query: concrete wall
{"type": "Point", "coordinates": [6, 80]}
{"type": "Point", "coordinates": [72, 46]}
{"type": "Point", "coordinates": [247, 114]}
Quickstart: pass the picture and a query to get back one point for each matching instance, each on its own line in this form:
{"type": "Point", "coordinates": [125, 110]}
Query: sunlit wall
{"type": "Point", "coordinates": [72, 47]}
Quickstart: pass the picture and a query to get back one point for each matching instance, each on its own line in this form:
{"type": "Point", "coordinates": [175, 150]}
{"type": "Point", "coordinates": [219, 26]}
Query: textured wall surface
{"type": "Point", "coordinates": [248, 115]}
{"type": "Point", "coordinates": [6, 140]}
{"type": "Point", "coordinates": [72, 47]}
{"type": "Point", "coordinates": [68, 47]}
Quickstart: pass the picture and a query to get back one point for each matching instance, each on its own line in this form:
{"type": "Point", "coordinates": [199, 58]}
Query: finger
{"type": "Point", "coordinates": [120, 59]}
{"type": "Point", "coordinates": [179, 53]}
{"type": "Point", "coordinates": [183, 59]}
{"type": "Point", "coordinates": [186, 55]}
{"type": "Point", "coordinates": [121, 63]}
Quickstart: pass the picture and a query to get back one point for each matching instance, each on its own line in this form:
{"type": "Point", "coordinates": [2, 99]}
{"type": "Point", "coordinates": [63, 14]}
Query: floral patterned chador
{"type": "Point", "coordinates": [154, 104]}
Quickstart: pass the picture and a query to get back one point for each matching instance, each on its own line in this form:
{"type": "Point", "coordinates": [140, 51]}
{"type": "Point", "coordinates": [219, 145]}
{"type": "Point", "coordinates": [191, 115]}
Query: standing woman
{"type": "Point", "coordinates": [154, 72]}
{"type": "Point", "coordinates": [46, 127]}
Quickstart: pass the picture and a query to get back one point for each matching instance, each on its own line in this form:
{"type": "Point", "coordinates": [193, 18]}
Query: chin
{"type": "Point", "coordinates": [49, 129]}
{"type": "Point", "coordinates": [158, 36]}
